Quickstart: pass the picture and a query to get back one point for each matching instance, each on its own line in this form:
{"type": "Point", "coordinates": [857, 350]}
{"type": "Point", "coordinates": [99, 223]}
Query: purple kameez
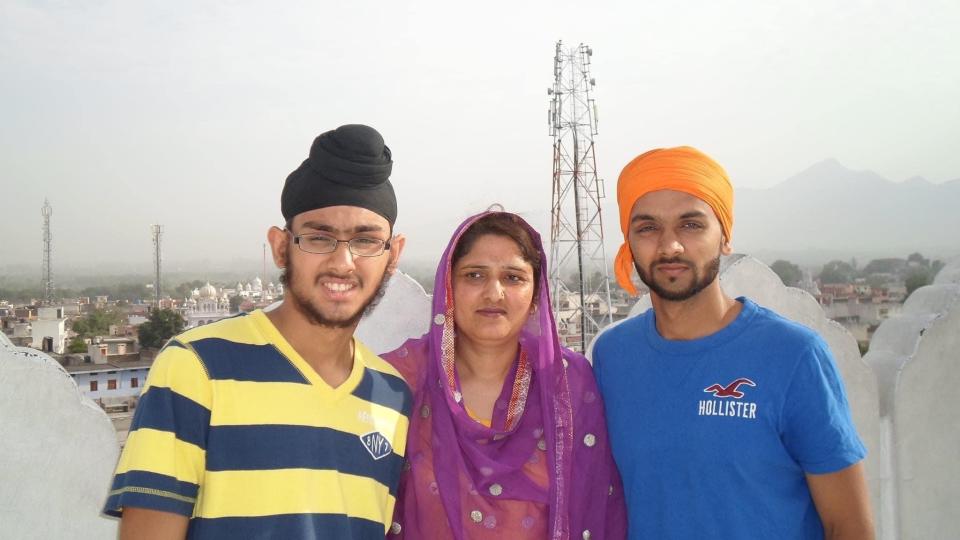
{"type": "Point", "coordinates": [543, 469]}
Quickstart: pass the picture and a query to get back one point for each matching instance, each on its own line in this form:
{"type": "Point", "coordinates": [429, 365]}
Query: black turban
{"type": "Point", "coordinates": [348, 166]}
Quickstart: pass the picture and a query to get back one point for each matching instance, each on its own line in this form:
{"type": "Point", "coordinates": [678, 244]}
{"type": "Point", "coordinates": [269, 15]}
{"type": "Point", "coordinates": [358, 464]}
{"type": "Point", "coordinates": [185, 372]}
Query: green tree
{"type": "Point", "coordinates": [95, 323]}
{"type": "Point", "coordinates": [884, 266]}
{"type": "Point", "coordinates": [77, 346]}
{"type": "Point", "coordinates": [837, 272]}
{"type": "Point", "coordinates": [160, 326]}
{"type": "Point", "coordinates": [916, 279]}
{"type": "Point", "coordinates": [919, 259]}
{"type": "Point", "coordinates": [789, 273]}
{"type": "Point", "coordinates": [184, 289]}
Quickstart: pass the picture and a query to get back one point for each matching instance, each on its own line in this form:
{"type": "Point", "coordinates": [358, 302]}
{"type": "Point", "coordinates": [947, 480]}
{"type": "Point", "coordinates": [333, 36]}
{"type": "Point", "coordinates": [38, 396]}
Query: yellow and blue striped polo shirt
{"type": "Point", "coordinates": [235, 430]}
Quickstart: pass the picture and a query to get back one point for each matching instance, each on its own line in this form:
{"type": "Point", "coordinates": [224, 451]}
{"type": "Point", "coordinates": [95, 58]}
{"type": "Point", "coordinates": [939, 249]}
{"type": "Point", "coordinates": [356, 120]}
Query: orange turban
{"type": "Point", "coordinates": [683, 169]}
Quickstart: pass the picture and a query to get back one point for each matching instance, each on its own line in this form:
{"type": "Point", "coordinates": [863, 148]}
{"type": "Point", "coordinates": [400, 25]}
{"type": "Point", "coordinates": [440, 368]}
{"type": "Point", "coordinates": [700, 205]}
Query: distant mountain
{"type": "Point", "coordinates": [831, 209]}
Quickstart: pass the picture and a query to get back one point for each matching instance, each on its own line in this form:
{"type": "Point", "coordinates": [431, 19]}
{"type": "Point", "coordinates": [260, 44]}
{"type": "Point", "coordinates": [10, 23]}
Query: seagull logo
{"type": "Point", "coordinates": [729, 390]}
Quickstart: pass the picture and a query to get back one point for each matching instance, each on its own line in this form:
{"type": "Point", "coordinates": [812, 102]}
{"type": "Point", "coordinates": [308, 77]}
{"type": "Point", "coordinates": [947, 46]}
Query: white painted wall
{"type": "Point", "coordinates": [57, 452]}
{"type": "Point", "coordinates": [916, 356]}
{"type": "Point", "coordinates": [403, 312]}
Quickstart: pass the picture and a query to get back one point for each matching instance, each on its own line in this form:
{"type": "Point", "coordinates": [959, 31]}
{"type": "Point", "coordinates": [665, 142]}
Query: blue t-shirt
{"type": "Point", "coordinates": [713, 436]}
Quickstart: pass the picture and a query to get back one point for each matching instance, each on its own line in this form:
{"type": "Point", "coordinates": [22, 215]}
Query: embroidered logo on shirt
{"type": "Point", "coordinates": [729, 390]}
{"type": "Point", "coordinates": [723, 407]}
{"type": "Point", "coordinates": [378, 445]}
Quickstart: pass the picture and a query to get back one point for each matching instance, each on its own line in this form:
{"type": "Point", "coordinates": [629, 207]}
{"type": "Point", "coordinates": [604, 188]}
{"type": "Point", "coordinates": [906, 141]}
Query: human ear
{"type": "Point", "coordinates": [725, 247]}
{"type": "Point", "coordinates": [397, 244]}
{"type": "Point", "coordinates": [279, 241]}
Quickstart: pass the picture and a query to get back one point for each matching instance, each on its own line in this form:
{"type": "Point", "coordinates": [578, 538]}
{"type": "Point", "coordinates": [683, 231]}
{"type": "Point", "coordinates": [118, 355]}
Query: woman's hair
{"type": "Point", "coordinates": [508, 226]}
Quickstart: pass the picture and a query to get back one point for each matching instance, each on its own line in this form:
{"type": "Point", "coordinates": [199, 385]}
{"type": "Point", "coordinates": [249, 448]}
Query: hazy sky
{"type": "Point", "coordinates": [191, 114]}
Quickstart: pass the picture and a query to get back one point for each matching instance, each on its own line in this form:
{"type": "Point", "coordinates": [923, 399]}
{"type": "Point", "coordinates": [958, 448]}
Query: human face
{"type": "Point", "coordinates": [676, 241]}
{"type": "Point", "coordinates": [333, 289]}
{"type": "Point", "coordinates": [492, 291]}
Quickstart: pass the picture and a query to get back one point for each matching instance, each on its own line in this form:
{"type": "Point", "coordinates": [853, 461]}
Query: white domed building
{"type": "Point", "coordinates": [205, 306]}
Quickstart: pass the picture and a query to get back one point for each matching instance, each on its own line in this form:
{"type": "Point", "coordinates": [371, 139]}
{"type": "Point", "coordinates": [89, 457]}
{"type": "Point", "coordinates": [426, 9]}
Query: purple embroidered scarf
{"type": "Point", "coordinates": [543, 468]}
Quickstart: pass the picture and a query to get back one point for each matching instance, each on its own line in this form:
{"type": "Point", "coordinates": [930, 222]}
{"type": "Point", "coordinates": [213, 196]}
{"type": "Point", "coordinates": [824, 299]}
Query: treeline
{"type": "Point", "coordinates": [914, 271]}
{"type": "Point", "coordinates": [117, 292]}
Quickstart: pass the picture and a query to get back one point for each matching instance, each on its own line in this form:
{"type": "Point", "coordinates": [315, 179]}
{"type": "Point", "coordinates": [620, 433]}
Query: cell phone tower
{"type": "Point", "coordinates": [157, 231]}
{"type": "Point", "coordinates": [47, 211]}
{"type": "Point", "coordinates": [582, 303]}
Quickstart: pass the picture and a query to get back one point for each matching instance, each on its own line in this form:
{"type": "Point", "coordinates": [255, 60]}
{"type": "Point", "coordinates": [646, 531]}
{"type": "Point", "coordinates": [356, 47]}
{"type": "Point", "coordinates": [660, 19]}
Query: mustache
{"type": "Point", "coordinates": [346, 277]}
{"type": "Point", "coordinates": [673, 260]}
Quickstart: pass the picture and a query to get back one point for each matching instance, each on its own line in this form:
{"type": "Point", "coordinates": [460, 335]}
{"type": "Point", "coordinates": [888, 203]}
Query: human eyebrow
{"type": "Point", "coordinates": [693, 214]}
{"type": "Point", "coordinates": [323, 227]}
{"type": "Point", "coordinates": [642, 217]}
{"type": "Point", "coordinates": [319, 227]}
{"type": "Point", "coordinates": [367, 228]}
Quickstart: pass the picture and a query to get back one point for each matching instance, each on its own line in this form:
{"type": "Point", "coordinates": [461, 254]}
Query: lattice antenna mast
{"type": "Point", "coordinates": [582, 303]}
{"type": "Point", "coordinates": [157, 231]}
{"type": "Point", "coordinates": [47, 211]}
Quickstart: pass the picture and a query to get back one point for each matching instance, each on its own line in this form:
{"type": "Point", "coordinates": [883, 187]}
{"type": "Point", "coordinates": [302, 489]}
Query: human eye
{"type": "Point", "coordinates": [644, 228]}
{"type": "Point", "coordinates": [317, 240]}
{"type": "Point", "coordinates": [692, 225]}
{"type": "Point", "coordinates": [516, 278]}
{"type": "Point", "coordinates": [363, 241]}
{"type": "Point", "coordinates": [473, 275]}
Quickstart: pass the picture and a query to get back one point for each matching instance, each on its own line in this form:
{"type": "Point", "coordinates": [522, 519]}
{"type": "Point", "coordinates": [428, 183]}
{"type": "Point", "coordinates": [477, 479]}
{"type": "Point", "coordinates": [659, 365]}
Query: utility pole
{"type": "Point", "coordinates": [47, 211]}
{"type": "Point", "coordinates": [157, 231]}
{"type": "Point", "coordinates": [581, 306]}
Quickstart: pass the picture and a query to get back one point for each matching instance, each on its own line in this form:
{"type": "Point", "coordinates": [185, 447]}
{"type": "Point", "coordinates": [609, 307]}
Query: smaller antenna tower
{"type": "Point", "coordinates": [47, 211]}
{"type": "Point", "coordinates": [157, 231]}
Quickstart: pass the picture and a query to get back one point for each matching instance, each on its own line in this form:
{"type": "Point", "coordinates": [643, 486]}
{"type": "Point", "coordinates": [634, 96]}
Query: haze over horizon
{"type": "Point", "coordinates": [192, 115]}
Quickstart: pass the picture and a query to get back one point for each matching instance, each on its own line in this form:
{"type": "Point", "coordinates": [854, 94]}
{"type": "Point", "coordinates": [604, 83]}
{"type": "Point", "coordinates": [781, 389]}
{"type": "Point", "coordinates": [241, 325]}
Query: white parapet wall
{"type": "Point", "coordinates": [402, 313]}
{"type": "Point", "coordinates": [58, 450]}
{"type": "Point", "coordinates": [916, 356]}
{"type": "Point", "coordinates": [742, 275]}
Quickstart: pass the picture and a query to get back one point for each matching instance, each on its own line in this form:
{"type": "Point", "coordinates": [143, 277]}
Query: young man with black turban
{"type": "Point", "coordinates": [281, 424]}
{"type": "Point", "coordinates": [726, 420]}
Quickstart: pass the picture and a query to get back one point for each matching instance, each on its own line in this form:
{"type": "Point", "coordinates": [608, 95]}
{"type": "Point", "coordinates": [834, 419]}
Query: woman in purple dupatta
{"type": "Point", "coordinates": [521, 455]}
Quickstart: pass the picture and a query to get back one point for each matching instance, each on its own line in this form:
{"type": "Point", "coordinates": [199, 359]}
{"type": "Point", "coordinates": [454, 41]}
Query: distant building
{"type": "Point", "coordinates": [49, 331]}
{"type": "Point", "coordinates": [111, 383]}
{"type": "Point", "coordinates": [860, 308]}
{"type": "Point", "coordinates": [205, 305]}
{"type": "Point", "coordinates": [103, 350]}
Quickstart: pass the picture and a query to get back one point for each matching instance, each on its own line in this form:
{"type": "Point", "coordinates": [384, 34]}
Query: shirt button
{"type": "Point", "coordinates": [476, 516]}
{"type": "Point", "coordinates": [395, 528]}
{"type": "Point", "coordinates": [542, 444]}
{"type": "Point", "coordinates": [425, 411]}
{"type": "Point", "coordinates": [589, 439]}
{"type": "Point", "coordinates": [496, 490]}
{"type": "Point", "coordinates": [586, 534]}
{"type": "Point", "coordinates": [439, 319]}
{"type": "Point", "coordinates": [457, 396]}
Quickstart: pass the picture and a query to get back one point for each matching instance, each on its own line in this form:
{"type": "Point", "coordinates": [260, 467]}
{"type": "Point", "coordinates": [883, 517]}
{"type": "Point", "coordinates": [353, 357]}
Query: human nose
{"type": "Point", "coordinates": [342, 258]}
{"type": "Point", "coordinates": [493, 290]}
{"type": "Point", "coordinates": [669, 245]}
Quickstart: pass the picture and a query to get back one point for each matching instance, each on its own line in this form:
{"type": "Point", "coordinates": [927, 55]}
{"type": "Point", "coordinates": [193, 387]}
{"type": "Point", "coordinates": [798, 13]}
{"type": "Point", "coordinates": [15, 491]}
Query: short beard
{"type": "Point", "coordinates": [319, 319]}
{"type": "Point", "coordinates": [712, 270]}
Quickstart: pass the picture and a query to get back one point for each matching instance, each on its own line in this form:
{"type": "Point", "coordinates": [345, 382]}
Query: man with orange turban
{"type": "Point", "coordinates": [726, 420]}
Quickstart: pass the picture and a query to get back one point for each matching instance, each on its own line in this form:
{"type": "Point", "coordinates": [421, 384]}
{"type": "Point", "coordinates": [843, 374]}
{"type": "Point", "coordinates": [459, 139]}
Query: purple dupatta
{"type": "Point", "coordinates": [543, 469]}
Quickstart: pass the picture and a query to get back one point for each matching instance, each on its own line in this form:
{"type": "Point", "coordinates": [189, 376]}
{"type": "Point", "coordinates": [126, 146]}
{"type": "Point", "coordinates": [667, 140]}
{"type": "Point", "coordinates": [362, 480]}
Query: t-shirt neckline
{"type": "Point", "coordinates": [273, 336]}
{"type": "Point", "coordinates": [689, 346]}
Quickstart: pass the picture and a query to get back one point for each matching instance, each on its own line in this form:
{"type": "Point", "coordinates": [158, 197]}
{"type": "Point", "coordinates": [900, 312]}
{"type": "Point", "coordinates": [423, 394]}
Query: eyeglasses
{"type": "Point", "coordinates": [361, 246]}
